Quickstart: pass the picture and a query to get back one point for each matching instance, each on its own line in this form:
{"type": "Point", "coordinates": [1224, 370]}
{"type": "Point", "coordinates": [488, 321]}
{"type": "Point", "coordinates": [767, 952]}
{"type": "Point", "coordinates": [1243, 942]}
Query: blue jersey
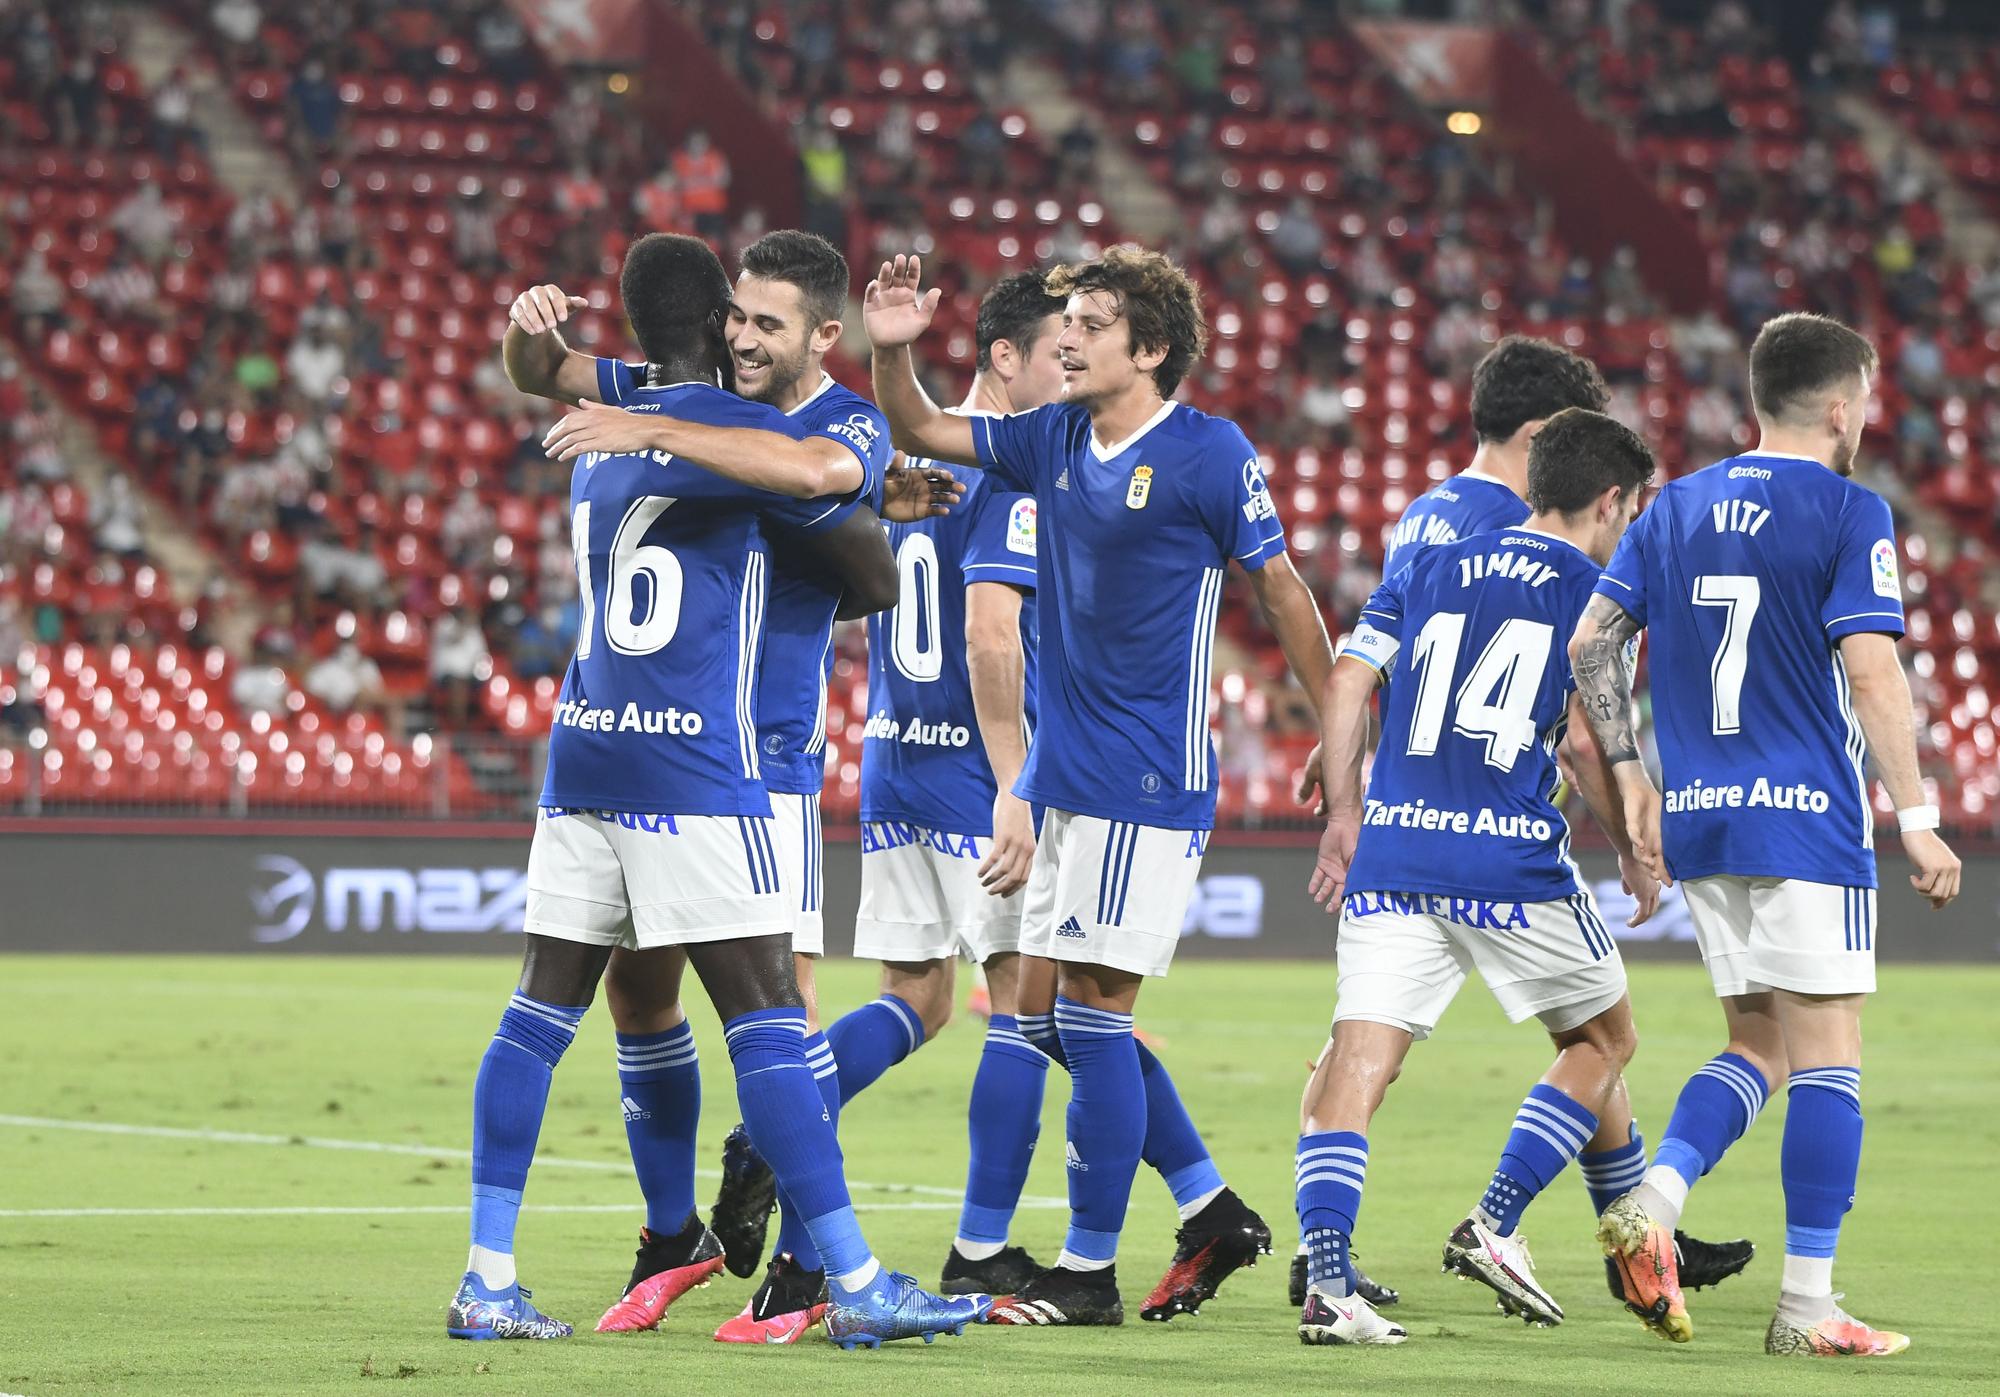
{"type": "Point", "coordinates": [1468, 503]}
{"type": "Point", "coordinates": [798, 622]}
{"type": "Point", "coordinates": [1460, 801]}
{"type": "Point", "coordinates": [1746, 576]}
{"type": "Point", "coordinates": [657, 710]}
{"type": "Point", "coordinates": [922, 759]}
{"type": "Point", "coordinates": [1135, 539]}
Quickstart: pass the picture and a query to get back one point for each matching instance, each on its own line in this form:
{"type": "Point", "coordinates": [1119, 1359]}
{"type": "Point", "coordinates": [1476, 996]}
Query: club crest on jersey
{"type": "Point", "coordinates": [1882, 559]}
{"type": "Point", "coordinates": [1141, 487]}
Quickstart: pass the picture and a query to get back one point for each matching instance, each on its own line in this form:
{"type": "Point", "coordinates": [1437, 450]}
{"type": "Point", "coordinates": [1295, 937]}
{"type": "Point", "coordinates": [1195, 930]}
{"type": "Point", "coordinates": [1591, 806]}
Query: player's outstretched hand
{"type": "Point", "coordinates": [1004, 870]}
{"type": "Point", "coordinates": [540, 309]}
{"type": "Point", "coordinates": [1642, 885]}
{"type": "Point", "coordinates": [1336, 852]}
{"type": "Point", "coordinates": [1309, 793]}
{"type": "Point", "coordinates": [1937, 866]}
{"type": "Point", "coordinates": [1642, 820]}
{"type": "Point", "coordinates": [895, 309]}
{"type": "Point", "coordinates": [909, 495]}
{"type": "Point", "coordinates": [596, 427]}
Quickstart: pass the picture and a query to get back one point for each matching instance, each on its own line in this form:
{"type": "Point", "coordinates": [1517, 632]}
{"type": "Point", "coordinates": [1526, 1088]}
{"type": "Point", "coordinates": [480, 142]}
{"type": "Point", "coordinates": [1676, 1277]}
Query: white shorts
{"type": "Point", "coordinates": [641, 881]}
{"type": "Point", "coordinates": [796, 838]}
{"type": "Point", "coordinates": [921, 899]}
{"type": "Point", "coordinates": [1760, 934]}
{"type": "Point", "coordinates": [1106, 892]}
{"type": "Point", "coordinates": [1402, 957]}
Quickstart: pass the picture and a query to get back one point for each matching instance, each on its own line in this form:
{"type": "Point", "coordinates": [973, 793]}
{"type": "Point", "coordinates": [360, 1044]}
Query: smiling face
{"type": "Point", "coordinates": [772, 340]}
{"type": "Point", "coordinates": [1095, 348]}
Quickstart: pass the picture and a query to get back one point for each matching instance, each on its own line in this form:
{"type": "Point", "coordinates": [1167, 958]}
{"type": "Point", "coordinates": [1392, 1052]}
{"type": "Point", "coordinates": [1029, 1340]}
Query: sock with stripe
{"type": "Point", "coordinates": [1549, 1131]}
{"type": "Point", "coordinates": [659, 1087]}
{"type": "Point", "coordinates": [1332, 1166]}
{"type": "Point", "coordinates": [1818, 1162]}
{"type": "Point", "coordinates": [1040, 1030]}
{"type": "Point", "coordinates": [1609, 1173]}
{"type": "Point", "coordinates": [509, 1097]}
{"type": "Point", "coordinates": [870, 1040]}
{"type": "Point", "coordinates": [1107, 1126]}
{"type": "Point", "coordinates": [792, 1234]}
{"type": "Point", "coordinates": [792, 1128]}
{"type": "Point", "coordinates": [1004, 1118]}
{"type": "Point", "coordinates": [1718, 1104]}
{"type": "Point", "coordinates": [1172, 1145]}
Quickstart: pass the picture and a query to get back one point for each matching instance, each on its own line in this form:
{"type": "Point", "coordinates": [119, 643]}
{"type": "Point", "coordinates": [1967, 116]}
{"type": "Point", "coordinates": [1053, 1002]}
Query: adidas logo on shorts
{"type": "Point", "coordinates": [1071, 928]}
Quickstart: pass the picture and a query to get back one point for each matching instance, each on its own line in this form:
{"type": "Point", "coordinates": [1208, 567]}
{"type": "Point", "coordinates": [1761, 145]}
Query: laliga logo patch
{"type": "Point", "coordinates": [1021, 528]}
{"type": "Point", "coordinates": [1142, 486]}
{"type": "Point", "coordinates": [1883, 560]}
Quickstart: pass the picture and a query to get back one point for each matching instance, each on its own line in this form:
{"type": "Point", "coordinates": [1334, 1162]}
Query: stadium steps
{"type": "Point", "coordinates": [1969, 233]}
{"type": "Point", "coordinates": [244, 162]}
{"type": "Point", "coordinates": [1137, 204]}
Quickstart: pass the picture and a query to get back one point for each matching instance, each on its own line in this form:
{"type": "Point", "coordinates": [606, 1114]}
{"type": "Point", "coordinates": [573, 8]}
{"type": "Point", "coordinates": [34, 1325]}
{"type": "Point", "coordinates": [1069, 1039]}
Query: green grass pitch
{"type": "Point", "coordinates": [290, 1055]}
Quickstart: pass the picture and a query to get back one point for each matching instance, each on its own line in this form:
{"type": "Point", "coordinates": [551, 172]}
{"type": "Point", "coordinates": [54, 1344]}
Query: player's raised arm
{"type": "Point", "coordinates": [534, 353]}
{"type": "Point", "coordinates": [896, 312]}
{"type": "Point", "coordinates": [1882, 703]}
{"type": "Point", "coordinates": [1604, 686]}
{"type": "Point", "coordinates": [767, 460]}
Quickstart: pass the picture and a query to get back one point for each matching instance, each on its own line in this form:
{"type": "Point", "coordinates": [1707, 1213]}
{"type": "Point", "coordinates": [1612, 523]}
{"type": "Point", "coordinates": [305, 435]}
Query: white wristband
{"type": "Point", "coordinates": [1918, 817]}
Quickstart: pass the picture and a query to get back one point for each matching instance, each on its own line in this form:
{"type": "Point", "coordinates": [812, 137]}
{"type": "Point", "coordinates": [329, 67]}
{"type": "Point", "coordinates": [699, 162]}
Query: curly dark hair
{"type": "Point", "coordinates": [1797, 356]}
{"type": "Point", "coordinates": [1580, 454]}
{"type": "Point", "coordinates": [807, 261]}
{"type": "Point", "coordinates": [1155, 296]}
{"type": "Point", "coordinates": [1013, 310]}
{"type": "Point", "coordinates": [675, 293]}
{"type": "Point", "coordinates": [1523, 380]}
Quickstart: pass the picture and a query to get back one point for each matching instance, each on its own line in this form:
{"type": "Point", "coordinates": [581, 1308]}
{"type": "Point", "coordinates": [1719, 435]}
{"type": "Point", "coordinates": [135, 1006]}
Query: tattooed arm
{"type": "Point", "coordinates": [1604, 689]}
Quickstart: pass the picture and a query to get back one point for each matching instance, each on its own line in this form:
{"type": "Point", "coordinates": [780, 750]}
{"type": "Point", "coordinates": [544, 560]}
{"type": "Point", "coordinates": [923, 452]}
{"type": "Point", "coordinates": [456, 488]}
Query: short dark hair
{"type": "Point", "coordinates": [807, 261]}
{"type": "Point", "coordinates": [1523, 379]}
{"type": "Point", "coordinates": [674, 291]}
{"type": "Point", "coordinates": [1155, 296]}
{"type": "Point", "coordinates": [1798, 355]}
{"type": "Point", "coordinates": [1580, 454]}
{"type": "Point", "coordinates": [1013, 310]}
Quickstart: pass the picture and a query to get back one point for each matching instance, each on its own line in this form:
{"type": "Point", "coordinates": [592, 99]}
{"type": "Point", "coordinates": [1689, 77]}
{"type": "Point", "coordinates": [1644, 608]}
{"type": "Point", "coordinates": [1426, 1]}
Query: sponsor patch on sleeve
{"type": "Point", "coordinates": [1021, 528]}
{"type": "Point", "coordinates": [1883, 567]}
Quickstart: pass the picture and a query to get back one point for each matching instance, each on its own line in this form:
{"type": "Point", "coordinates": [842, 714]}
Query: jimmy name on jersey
{"type": "Point", "coordinates": [657, 710]}
{"type": "Point", "coordinates": [1459, 800]}
{"type": "Point", "coordinates": [922, 761]}
{"type": "Point", "coordinates": [1468, 503]}
{"type": "Point", "coordinates": [798, 621]}
{"type": "Point", "coordinates": [1135, 540]}
{"type": "Point", "coordinates": [1746, 576]}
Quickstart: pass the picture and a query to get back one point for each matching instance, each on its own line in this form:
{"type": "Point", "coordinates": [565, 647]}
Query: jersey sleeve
{"type": "Point", "coordinates": [865, 432]}
{"type": "Point", "coordinates": [1000, 539]}
{"type": "Point", "coordinates": [1625, 580]}
{"type": "Point", "coordinates": [1378, 634]}
{"type": "Point", "coordinates": [1866, 592]}
{"type": "Point", "coordinates": [1012, 447]}
{"type": "Point", "coordinates": [617, 381]}
{"type": "Point", "coordinates": [1237, 507]}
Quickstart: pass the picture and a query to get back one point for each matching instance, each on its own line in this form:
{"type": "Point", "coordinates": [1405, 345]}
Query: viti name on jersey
{"type": "Point", "coordinates": [1739, 516]}
{"type": "Point", "coordinates": [1762, 794]}
{"type": "Point", "coordinates": [882, 727]}
{"type": "Point", "coordinates": [1420, 815]}
{"type": "Point", "coordinates": [667, 722]}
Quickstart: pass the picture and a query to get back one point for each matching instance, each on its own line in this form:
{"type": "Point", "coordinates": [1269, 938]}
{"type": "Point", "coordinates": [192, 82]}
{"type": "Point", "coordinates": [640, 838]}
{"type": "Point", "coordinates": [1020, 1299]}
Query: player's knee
{"type": "Point", "coordinates": [926, 988]}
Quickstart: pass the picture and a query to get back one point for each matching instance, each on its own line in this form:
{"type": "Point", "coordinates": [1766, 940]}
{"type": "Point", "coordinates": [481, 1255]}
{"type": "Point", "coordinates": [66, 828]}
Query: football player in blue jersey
{"type": "Point", "coordinates": [1774, 574]}
{"type": "Point", "coordinates": [1516, 388]}
{"type": "Point", "coordinates": [1142, 504]}
{"type": "Point", "coordinates": [655, 828]}
{"type": "Point", "coordinates": [1457, 859]}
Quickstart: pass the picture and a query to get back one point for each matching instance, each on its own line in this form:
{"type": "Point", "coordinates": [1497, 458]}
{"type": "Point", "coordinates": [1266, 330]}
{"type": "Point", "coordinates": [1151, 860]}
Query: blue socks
{"type": "Point", "coordinates": [792, 1234]}
{"type": "Point", "coordinates": [1820, 1158]}
{"type": "Point", "coordinates": [1715, 1108]}
{"type": "Point", "coordinates": [659, 1087]}
{"type": "Point", "coordinates": [509, 1097]}
{"type": "Point", "coordinates": [1332, 1166]}
{"type": "Point", "coordinates": [789, 1124]}
{"type": "Point", "coordinates": [1004, 1117]}
{"type": "Point", "coordinates": [1172, 1144]}
{"type": "Point", "coordinates": [870, 1040]}
{"type": "Point", "coordinates": [1609, 1173]}
{"type": "Point", "coordinates": [1549, 1131]}
{"type": "Point", "coordinates": [1107, 1126]}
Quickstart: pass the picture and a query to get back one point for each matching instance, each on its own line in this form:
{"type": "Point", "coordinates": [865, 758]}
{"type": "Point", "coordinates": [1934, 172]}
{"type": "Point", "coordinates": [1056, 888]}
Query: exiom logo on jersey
{"type": "Point", "coordinates": [1073, 929]}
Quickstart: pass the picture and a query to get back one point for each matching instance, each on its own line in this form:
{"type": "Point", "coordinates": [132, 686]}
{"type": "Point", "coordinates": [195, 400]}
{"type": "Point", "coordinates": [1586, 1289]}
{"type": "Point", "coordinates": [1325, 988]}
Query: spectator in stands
{"type": "Point", "coordinates": [340, 228]}
{"type": "Point", "coordinates": [38, 297]}
{"type": "Point", "coordinates": [117, 524]}
{"type": "Point", "coordinates": [475, 232]}
{"type": "Point", "coordinates": [825, 165]}
{"type": "Point", "coordinates": [1297, 240]}
{"type": "Point", "coordinates": [466, 530]}
{"type": "Point", "coordinates": [240, 22]}
{"type": "Point", "coordinates": [1920, 364]}
{"type": "Point", "coordinates": [126, 290]}
{"type": "Point", "coordinates": [703, 173]}
{"type": "Point", "coordinates": [37, 433]}
{"type": "Point", "coordinates": [261, 686]}
{"type": "Point", "coordinates": [316, 102]}
{"type": "Point", "coordinates": [77, 105]}
{"type": "Point", "coordinates": [173, 115]}
{"type": "Point", "coordinates": [503, 44]}
{"type": "Point", "coordinates": [1283, 70]}
{"type": "Point", "coordinates": [257, 223]}
{"type": "Point", "coordinates": [314, 364]}
{"type": "Point", "coordinates": [659, 204]}
{"type": "Point", "coordinates": [580, 194]}
{"type": "Point", "coordinates": [257, 371]}
{"type": "Point", "coordinates": [147, 222]}
{"type": "Point", "coordinates": [1076, 154]}
{"type": "Point", "coordinates": [459, 661]}
{"type": "Point", "coordinates": [347, 681]}
{"type": "Point", "coordinates": [1323, 403]}
{"type": "Point", "coordinates": [543, 644]}
{"type": "Point", "coordinates": [1224, 225]}
{"type": "Point", "coordinates": [13, 635]}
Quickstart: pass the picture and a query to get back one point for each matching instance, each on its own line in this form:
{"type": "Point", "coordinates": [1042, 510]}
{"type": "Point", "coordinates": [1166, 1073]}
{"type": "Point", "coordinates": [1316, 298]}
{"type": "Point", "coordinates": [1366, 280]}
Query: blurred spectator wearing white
{"type": "Point", "coordinates": [239, 21]}
{"type": "Point", "coordinates": [475, 232]}
{"type": "Point", "coordinates": [125, 288]}
{"type": "Point", "coordinates": [346, 681]}
{"type": "Point", "coordinates": [117, 522]}
{"type": "Point", "coordinates": [314, 365]}
{"type": "Point", "coordinates": [466, 528]}
{"type": "Point", "coordinates": [37, 297]}
{"type": "Point", "coordinates": [458, 659]}
{"type": "Point", "coordinates": [261, 687]}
